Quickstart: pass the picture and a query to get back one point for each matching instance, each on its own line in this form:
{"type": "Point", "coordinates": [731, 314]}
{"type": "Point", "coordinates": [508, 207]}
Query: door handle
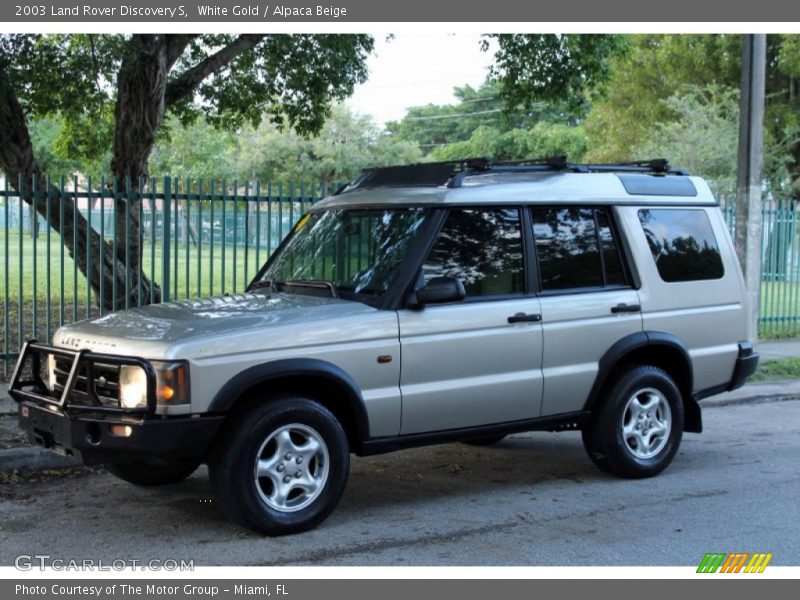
{"type": "Point", "coordinates": [524, 318]}
{"type": "Point", "coordinates": [626, 308]}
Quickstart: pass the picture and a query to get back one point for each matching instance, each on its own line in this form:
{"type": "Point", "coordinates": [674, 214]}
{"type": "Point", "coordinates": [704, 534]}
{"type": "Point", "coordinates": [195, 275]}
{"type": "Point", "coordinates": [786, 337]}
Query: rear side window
{"type": "Point", "coordinates": [576, 248]}
{"type": "Point", "coordinates": [682, 243]}
{"type": "Point", "coordinates": [482, 248]}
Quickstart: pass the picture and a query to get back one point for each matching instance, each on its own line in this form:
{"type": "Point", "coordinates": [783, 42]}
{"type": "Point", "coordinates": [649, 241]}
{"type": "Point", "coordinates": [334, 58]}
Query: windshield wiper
{"type": "Point", "coordinates": [270, 283]}
{"type": "Point", "coordinates": [314, 283]}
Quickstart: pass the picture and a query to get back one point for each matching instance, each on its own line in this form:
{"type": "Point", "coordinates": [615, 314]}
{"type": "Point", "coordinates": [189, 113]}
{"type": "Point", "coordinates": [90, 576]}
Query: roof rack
{"type": "Point", "coordinates": [453, 172]}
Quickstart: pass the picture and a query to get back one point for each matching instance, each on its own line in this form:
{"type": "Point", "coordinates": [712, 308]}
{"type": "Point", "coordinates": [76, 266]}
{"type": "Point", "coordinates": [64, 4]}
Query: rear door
{"type": "Point", "coordinates": [464, 363]}
{"type": "Point", "coordinates": [587, 300]}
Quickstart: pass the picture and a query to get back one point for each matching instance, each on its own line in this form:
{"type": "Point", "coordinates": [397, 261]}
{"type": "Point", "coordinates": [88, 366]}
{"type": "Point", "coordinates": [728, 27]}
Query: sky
{"type": "Point", "coordinates": [418, 69]}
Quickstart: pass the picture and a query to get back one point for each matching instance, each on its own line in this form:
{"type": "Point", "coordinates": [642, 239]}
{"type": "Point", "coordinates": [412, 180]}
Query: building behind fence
{"type": "Point", "coordinates": [209, 238]}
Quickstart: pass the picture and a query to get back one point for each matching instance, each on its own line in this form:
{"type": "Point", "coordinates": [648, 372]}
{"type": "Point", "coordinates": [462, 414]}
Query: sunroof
{"type": "Point", "coordinates": [657, 185]}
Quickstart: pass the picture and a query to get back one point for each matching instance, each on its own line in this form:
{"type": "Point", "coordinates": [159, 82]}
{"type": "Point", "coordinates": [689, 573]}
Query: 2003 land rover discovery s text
{"type": "Point", "coordinates": [458, 301]}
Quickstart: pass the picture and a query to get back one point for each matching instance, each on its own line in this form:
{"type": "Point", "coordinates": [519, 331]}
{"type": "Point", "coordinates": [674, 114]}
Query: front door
{"type": "Point", "coordinates": [478, 361]}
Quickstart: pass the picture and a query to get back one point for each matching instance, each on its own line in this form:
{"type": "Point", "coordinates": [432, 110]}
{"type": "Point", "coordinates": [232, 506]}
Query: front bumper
{"type": "Point", "coordinates": [78, 423]}
{"type": "Point", "coordinates": [100, 439]}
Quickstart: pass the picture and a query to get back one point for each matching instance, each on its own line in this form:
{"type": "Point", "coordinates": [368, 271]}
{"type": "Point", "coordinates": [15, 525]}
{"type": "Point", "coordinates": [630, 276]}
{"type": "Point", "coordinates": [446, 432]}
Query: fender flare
{"type": "Point", "coordinates": [229, 393]}
{"type": "Point", "coordinates": [640, 339]}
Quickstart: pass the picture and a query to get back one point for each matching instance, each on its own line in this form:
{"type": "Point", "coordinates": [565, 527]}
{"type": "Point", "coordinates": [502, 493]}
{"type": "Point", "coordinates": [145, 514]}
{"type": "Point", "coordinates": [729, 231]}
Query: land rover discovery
{"type": "Point", "coordinates": [458, 301]}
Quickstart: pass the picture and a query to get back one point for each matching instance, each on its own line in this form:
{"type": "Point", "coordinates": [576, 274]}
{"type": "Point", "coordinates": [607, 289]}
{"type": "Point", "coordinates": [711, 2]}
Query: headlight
{"type": "Point", "coordinates": [132, 387]}
{"type": "Point", "coordinates": [172, 385]}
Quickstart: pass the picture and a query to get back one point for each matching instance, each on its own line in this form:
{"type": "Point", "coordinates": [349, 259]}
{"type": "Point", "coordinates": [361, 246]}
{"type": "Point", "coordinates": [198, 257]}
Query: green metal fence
{"type": "Point", "coordinates": [779, 304]}
{"type": "Point", "coordinates": [208, 238]}
{"type": "Point", "coordinates": [197, 239]}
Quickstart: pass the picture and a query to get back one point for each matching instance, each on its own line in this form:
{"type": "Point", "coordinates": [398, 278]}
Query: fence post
{"type": "Point", "coordinates": [165, 241]}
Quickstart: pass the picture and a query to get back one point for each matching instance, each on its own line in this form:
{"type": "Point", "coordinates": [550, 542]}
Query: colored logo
{"type": "Point", "coordinates": [737, 562]}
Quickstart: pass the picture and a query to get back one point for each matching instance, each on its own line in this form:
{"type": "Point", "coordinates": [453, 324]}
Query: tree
{"type": "Point", "coordinates": [539, 90]}
{"type": "Point", "coordinates": [195, 151]}
{"type": "Point", "coordinates": [703, 138]}
{"type": "Point", "coordinates": [115, 91]}
{"type": "Point", "coordinates": [567, 71]}
{"type": "Point", "coordinates": [434, 125]}
{"type": "Point", "coordinates": [657, 67]}
{"type": "Point", "coordinates": [346, 144]}
{"type": "Point", "coordinates": [543, 139]}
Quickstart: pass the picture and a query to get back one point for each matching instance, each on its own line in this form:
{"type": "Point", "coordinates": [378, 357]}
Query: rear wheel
{"type": "Point", "coordinates": [281, 467]}
{"type": "Point", "coordinates": [638, 428]}
{"type": "Point", "coordinates": [159, 471]}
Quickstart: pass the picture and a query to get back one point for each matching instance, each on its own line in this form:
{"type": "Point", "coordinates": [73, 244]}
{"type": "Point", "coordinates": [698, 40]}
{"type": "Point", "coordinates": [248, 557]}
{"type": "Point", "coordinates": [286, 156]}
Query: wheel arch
{"type": "Point", "coordinates": [320, 380]}
{"type": "Point", "coordinates": [660, 349]}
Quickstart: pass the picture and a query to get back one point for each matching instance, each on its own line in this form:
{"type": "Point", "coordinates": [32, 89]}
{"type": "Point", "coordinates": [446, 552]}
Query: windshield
{"type": "Point", "coordinates": [349, 251]}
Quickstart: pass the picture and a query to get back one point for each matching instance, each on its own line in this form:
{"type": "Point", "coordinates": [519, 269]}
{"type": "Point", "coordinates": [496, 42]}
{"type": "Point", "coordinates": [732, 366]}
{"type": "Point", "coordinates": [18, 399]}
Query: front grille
{"type": "Point", "coordinates": [94, 383]}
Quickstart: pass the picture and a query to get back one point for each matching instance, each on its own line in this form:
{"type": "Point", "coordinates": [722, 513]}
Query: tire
{"type": "Point", "coordinates": [637, 429]}
{"type": "Point", "coordinates": [159, 471]}
{"type": "Point", "coordinates": [487, 441]}
{"type": "Point", "coordinates": [265, 473]}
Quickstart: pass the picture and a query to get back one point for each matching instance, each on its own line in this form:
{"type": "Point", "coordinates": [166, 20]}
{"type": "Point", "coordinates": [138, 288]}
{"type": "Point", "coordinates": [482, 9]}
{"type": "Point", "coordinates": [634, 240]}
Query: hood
{"type": "Point", "coordinates": [153, 331]}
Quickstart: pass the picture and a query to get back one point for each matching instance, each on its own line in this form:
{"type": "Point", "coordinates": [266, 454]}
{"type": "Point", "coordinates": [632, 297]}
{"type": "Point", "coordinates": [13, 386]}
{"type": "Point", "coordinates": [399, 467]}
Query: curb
{"type": "Point", "coordinates": [7, 405]}
{"type": "Point", "coordinates": [33, 458]}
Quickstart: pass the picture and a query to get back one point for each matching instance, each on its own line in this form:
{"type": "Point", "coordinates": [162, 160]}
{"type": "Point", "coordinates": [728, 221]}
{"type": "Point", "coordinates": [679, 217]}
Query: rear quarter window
{"type": "Point", "coordinates": [682, 243]}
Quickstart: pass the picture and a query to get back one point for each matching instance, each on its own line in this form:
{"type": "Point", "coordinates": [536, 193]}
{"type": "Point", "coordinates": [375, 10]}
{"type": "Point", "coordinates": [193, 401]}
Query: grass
{"type": "Point", "coordinates": [780, 309]}
{"type": "Point", "coordinates": [197, 272]}
{"type": "Point", "coordinates": [778, 369]}
{"type": "Point", "coordinates": [26, 299]}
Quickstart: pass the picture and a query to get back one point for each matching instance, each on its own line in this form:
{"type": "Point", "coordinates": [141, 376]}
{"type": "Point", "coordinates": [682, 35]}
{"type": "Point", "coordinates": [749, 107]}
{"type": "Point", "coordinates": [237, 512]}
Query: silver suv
{"type": "Point", "coordinates": [420, 304]}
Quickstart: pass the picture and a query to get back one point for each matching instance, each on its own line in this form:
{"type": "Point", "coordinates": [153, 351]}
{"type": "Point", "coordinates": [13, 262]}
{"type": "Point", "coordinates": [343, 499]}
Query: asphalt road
{"type": "Point", "coordinates": [534, 499]}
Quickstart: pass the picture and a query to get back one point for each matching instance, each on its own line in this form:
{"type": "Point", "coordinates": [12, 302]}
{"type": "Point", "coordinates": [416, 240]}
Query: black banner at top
{"type": "Point", "coordinates": [272, 12]}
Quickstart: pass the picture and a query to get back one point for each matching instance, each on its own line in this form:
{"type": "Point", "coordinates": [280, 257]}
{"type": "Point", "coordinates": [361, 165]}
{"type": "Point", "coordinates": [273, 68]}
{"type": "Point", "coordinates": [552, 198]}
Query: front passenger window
{"type": "Point", "coordinates": [481, 247]}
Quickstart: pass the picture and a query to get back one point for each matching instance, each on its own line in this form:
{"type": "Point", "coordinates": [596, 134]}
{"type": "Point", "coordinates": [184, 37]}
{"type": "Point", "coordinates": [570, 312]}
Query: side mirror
{"type": "Point", "coordinates": [437, 291]}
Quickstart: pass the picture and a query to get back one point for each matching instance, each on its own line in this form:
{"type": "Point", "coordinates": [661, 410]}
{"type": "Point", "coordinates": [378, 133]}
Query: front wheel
{"type": "Point", "coordinates": [282, 466]}
{"type": "Point", "coordinates": [638, 428]}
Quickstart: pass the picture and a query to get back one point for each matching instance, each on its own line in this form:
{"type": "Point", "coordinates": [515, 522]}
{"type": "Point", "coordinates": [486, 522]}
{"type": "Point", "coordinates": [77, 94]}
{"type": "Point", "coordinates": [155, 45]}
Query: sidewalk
{"type": "Point", "coordinates": [779, 349]}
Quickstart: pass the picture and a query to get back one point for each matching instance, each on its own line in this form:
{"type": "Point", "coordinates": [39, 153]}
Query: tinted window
{"type": "Point", "coordinates": [682, 243]}
{"type": "Point", "coordinates": [576, 248]}
{"type": "Point", "coordinates": [566, 245]}
{"type": "Point", "coordinates": [483, 248]}
{"type": "Point", "coordinates": [612, 264]}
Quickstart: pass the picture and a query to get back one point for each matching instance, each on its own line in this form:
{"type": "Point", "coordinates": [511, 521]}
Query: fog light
{"type": "Point", "coordinates": [51, 372]}
{"type": "Point", "coordinates": [23, 411]}
{"type": "Point", "coordinates": [122, 430]}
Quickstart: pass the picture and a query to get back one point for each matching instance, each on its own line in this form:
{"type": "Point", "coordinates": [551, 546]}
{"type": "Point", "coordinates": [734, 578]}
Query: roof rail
{"type": "Point", "coordinates": [453, 172]}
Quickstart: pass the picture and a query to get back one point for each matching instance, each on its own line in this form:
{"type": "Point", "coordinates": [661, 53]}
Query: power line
{"type": "Point", "coordinates": [450, 116]}
{"type": "Point", "coordinates": [534, 106]}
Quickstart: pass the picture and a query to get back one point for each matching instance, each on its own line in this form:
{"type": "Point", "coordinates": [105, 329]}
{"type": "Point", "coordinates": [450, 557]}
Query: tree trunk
{"type": "Point", "coordinates": [140, 106]}
{"type": "Point", "coordinates": [16, 158]}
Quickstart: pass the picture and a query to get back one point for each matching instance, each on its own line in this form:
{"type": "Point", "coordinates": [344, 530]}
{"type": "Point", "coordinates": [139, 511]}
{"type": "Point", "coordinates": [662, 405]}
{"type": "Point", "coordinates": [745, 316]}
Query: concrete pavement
{"type": "Point", "coordinates": [533, 499]}
{"type": "Point", "coordinates": [779, 348]}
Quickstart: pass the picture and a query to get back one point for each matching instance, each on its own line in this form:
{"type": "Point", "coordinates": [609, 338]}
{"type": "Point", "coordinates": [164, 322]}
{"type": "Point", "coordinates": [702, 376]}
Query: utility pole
{"type": "Point", "coordinates": [751, 161]}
